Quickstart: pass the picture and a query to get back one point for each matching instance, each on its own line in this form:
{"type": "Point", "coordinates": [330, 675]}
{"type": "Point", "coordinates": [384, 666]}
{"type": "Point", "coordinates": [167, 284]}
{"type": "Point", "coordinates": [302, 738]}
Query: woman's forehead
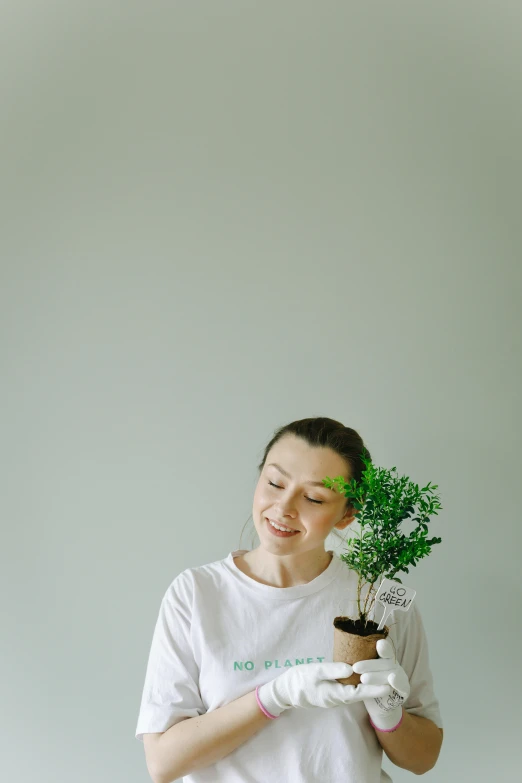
{"type": "Point", "coordinates": [310, 463]}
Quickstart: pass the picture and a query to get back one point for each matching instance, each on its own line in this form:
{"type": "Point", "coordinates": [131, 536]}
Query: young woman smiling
{"type": "Point", "coordinates": [240, 683]}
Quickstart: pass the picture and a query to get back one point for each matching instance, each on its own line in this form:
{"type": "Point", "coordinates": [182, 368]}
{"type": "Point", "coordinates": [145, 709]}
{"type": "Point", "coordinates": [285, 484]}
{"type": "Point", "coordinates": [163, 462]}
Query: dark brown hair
{"type": "Point", "coordinates": [320, 431]}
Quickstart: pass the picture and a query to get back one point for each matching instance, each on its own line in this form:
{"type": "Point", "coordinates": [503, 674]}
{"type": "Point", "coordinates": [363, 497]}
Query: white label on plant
{"type": "Point", "coordinates": [392, 595]}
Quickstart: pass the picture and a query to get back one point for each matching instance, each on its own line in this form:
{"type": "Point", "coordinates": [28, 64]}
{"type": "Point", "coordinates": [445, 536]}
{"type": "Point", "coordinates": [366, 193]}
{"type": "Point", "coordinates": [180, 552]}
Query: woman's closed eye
{"type": "Point", "coordinates": [310, 499]}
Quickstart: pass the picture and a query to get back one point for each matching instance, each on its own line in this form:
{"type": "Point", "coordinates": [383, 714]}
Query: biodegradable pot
{"type": "Point", "coordinates": [353, 642]}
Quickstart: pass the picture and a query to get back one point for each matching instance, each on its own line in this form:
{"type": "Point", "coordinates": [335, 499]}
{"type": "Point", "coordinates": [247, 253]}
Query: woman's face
{"type": "Point", "coordinates": [294, 503]}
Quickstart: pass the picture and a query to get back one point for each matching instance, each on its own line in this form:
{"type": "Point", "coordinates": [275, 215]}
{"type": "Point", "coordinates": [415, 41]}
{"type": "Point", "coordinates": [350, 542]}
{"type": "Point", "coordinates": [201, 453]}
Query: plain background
{"type": "Point", "coordinates": [218, 217]}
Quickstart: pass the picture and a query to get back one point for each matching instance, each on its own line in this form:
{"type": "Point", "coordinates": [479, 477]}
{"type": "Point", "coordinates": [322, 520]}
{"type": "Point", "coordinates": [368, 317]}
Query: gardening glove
{"type": "Point", "coordinates": [385, 710]}
{"type": "Point", "coordinates": [313, 685]}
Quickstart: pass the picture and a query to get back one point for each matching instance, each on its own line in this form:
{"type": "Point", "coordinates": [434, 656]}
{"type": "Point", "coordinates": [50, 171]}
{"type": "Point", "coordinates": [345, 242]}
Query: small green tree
{"type": "Point", "coordinates": [381, 550]}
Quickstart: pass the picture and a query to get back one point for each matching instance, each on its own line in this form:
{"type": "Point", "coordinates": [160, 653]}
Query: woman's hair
{"type": "Point", "coordinates": [320, 431]}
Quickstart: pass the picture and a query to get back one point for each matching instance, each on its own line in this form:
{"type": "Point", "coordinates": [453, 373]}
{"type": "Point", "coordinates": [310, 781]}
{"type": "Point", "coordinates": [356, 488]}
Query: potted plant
{"type": "Point", "coordinates": [381, 550]}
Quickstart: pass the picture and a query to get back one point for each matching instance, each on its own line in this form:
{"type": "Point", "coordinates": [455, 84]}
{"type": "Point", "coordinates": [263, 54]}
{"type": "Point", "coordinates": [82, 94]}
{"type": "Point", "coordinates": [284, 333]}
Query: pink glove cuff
{"type": "Point", "coordinates": [387, 730]}
{"type": "Point", "coordinates": [268, 715]}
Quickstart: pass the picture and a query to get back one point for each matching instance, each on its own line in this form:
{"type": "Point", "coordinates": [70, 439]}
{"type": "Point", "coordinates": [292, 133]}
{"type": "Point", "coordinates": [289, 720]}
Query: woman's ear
{"type": "Point", "coordinates": [348, 518]}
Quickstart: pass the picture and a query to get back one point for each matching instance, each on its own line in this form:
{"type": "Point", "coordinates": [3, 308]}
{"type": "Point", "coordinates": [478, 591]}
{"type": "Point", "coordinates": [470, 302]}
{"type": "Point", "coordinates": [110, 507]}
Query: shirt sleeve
{"type": "Point", "coordinates": [413, 656]}
{"type": "Point", "coordinates": [171, 690]}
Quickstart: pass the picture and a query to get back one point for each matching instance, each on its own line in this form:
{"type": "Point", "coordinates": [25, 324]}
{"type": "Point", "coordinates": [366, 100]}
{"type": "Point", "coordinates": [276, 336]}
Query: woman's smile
{"type": "Point", "coordinates": [280, 533]}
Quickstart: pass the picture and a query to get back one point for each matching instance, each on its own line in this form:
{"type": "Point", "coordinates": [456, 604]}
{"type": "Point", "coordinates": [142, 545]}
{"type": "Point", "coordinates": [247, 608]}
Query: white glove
{"type": "Point", "coordinates": [385, 710]}
{"type": "Point", "coordinates": [310, 685]}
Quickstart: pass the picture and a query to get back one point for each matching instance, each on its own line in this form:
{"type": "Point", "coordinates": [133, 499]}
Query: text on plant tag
{"type": "Point", "coordinates": [392, 595]}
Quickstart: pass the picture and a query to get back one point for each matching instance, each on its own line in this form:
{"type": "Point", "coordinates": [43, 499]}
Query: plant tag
{"type": "Point", "coordinates": [392, 595]}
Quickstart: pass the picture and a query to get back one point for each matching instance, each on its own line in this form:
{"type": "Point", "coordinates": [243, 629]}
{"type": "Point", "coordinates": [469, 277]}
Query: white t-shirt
{"type": "Point", "coordinates": [220, 633]}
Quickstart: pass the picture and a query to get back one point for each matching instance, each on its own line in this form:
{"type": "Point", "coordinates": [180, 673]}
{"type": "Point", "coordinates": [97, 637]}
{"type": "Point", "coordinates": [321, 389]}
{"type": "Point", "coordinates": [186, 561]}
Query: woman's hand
{"type": "Point", "coordinates": [313, 685]}
{"type": "Point", "coordinates": [385, 710]}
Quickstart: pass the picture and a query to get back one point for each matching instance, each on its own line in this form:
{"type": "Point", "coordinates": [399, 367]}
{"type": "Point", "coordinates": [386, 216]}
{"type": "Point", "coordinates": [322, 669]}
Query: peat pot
{"type": "Point", "coordinates": [355, 642]}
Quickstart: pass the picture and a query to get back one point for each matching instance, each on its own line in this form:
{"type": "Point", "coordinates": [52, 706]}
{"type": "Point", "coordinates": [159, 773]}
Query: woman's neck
{"type": "Point", "coordinates": [279, 571]}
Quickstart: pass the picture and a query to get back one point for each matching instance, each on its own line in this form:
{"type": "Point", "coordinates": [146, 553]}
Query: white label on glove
{"type": "Point", "coordinates": [392, 595]}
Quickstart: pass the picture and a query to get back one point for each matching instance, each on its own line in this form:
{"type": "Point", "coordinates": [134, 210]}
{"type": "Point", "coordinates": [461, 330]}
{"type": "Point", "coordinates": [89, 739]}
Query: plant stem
{"type": "Point", "coordinates": [359, 582]}
{"type": "Point", "coordinates": [372, 603]}
{"type": "Point", "coordinates": [371, 591]}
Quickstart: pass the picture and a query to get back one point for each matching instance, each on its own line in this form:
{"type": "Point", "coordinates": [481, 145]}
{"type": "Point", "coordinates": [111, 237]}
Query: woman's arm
{"type": "Point", "coordinates": [197, 742]}
{"type": "Point", "coordinates": [415, 745]}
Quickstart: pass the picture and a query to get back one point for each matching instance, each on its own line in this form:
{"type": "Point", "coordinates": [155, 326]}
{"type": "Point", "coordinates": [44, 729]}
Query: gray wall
{"type": "Point", "coordinates": [219, 217]}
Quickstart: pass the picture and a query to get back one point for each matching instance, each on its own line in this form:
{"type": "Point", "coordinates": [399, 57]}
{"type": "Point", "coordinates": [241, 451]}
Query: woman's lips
{"type": "Point", "coordinates": [280, 533]}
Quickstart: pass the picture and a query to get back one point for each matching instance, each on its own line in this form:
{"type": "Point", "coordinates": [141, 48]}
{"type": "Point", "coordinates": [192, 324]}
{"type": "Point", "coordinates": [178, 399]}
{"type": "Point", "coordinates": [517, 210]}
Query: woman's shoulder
{"type": "Point", "coordinates": [206, 575]}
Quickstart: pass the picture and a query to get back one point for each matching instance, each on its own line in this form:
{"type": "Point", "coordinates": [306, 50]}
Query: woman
{"type": "Point", "coordinates": [240, 685]}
